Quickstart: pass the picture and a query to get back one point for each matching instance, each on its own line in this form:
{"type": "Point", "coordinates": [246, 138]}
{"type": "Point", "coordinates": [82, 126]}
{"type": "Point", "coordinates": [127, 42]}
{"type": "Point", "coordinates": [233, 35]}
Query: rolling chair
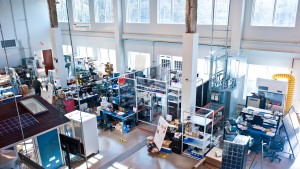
{"type": "Point", "coordinates": [277, 145]}
{"type": "Point", "coordinates": [100, 120]}
{"type": "Point", "coordinates": [108, 123]}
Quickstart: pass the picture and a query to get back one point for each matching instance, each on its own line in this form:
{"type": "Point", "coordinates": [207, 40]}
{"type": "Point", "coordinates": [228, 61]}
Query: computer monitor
{"type": "Point", "coordinates": [72, 144]}
{"type": "Point", "coordinates": [115, 106]}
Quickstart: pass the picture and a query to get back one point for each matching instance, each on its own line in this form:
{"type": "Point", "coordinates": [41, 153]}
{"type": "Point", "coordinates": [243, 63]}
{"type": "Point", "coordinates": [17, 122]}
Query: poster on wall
{"type": "Point", "coordinates": [50, 93]}
{"type": "Point", "coordinates": [160, 133]}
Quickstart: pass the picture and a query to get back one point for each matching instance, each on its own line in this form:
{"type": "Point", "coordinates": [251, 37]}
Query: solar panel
{"type": "Point", "coordinates": [234, 155]}
{"type": "Point", "coordinates": [12, 125]}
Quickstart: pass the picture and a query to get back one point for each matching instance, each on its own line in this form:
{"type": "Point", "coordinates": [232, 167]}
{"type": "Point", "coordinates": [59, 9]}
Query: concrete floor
{"type": "Point", "coordinates": [285, 163]}
{"type": "Point", "coordinates": [141, 159]}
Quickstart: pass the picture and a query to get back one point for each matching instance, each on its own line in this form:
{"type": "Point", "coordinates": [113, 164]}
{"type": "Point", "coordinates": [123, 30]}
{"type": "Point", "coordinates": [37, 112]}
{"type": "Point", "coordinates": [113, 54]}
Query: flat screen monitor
{"type": "Point", "coordinates": [33, 106]}
{"type": "Point", "coordinates": [71, 143]}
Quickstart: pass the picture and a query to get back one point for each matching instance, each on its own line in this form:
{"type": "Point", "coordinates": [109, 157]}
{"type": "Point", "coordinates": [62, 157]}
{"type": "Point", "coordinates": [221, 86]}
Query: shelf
{"type": "Point", "coordinates": [174, 88]}
{"type": "Point", "coordinates": [172, 94]}
{"type": "Point", "coordinates": [215, 122]}
{"type": "Point", "coordinates": [207, 136]}
{"type": "Point", "coordinates": [187, 153]}
{"type": "Point", "coordinates": [203, 146]}
{"type": "Point", "coordinates": [171, 101]}
{"type": "Point", "coordinates": [199, 120]}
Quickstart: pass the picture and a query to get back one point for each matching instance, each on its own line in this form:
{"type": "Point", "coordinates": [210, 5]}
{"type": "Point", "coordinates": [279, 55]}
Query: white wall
{"type": "Point", "coordinates": [38, 27]}
{"type": "Point", "coordinates": [269, 58]}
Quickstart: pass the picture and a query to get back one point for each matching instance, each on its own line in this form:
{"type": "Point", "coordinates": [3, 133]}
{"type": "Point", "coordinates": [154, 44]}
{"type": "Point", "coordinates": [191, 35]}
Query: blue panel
{"type": "Point", "coordinates": [49, 150]}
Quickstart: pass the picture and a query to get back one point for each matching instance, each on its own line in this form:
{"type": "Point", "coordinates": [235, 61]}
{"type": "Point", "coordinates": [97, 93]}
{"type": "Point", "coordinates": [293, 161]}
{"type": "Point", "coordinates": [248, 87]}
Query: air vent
{"type": "Point", "coordinates": [8, 43]}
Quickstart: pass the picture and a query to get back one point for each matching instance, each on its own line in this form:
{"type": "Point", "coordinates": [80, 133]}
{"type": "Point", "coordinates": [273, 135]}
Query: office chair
{"type": "Point", "coordinates": [100, 120]}
{"type": "Point", "coordinates": [277, 145]}
{"type": "Point", "coordinates": [255, 143]}
{"type": "Point", "coordinates": [108, 123]}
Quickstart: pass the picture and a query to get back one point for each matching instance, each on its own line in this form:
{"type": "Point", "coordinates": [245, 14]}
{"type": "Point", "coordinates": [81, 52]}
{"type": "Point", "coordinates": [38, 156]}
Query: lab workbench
{"type": "Point", "coordinates": [123, 118]}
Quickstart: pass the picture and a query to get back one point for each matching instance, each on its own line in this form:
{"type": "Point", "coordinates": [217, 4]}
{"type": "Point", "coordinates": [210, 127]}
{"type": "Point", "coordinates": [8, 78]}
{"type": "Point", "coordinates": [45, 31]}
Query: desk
{"type": "Point", "coordinates": [123, 117]}
{"type": "Point", "coordinates": [10, 99]}
{"type": "Point", "coordinates": [262, 133]}
{"type": "Point", "coordinates": [270, 121]}
{"type": "Point", "coordinates": [14, 89]}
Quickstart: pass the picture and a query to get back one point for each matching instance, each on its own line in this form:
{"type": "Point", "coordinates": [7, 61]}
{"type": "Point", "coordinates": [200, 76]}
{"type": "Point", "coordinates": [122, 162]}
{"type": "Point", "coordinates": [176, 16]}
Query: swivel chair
{"type": "Point", "coordinates": [108, 123]}
{"type": "Point", "coordinates": [100, 120]}
{"type": "Point", "coordinates": [277, 145]}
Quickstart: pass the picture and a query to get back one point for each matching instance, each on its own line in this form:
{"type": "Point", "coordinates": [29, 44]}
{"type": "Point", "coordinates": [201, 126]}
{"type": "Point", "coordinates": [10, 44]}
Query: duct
{"type": "Point", "coordinates": [291, 87]}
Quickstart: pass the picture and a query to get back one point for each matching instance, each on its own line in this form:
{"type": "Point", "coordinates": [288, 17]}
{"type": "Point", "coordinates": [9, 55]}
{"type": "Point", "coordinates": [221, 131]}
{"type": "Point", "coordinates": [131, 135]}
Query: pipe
{"type": "Point", "coordinates": [27, 29]}
{"type": "Point", "coordinates": [291, 87]}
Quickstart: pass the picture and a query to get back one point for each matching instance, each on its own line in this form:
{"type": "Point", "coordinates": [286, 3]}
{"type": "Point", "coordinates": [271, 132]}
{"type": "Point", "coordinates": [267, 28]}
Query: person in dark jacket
{"type": "Point", "coordinates": [37, 85]}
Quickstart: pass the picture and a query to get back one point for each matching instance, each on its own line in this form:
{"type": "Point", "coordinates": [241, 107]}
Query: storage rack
{"type": "Point", "coordinates": [174, 101]}
{"type": "Point", "coordinates": [218, 121]}
{"type": "Point", "coordinates": [197, 140]}
{"type": "Point", "coordinates": [153, 88]}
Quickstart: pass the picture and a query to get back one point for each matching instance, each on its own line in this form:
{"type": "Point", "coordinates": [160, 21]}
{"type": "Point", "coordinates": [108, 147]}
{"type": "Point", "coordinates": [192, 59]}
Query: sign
{"type": "Point", "coordinates": [160, 133]}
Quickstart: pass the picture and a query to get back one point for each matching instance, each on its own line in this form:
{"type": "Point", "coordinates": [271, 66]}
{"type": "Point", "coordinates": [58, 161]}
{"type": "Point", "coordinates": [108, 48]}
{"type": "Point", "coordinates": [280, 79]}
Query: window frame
{"type": "Point", "coordinates": [172, 14]}
{"type": "Point", "coordinates": [129, 59]}
{"type": "Point", "coordinates": [110, 53]}
{"type": "Point", "coordinates": [127, 20]}
{"type": "Point", "coordinates": [273, 16]}
{"type": "Point", "coordinates": [74, 14]}
{"type": "Point", "coordinates": [64, 6]}
{"type": "Point", "coordinates": [105, 11]}
{"type": "Point", "coordinates": [211, 20]}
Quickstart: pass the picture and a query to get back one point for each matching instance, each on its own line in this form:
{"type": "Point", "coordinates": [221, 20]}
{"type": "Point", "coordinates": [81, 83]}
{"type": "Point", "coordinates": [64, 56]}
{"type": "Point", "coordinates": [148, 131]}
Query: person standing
{"type": "Point", "coordinates": [37, 85]}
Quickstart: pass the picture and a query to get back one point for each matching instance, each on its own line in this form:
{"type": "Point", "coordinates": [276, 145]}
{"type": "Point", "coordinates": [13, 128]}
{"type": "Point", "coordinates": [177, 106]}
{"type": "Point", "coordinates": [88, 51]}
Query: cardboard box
{"type": "Point", "coordinates": [212, 159]}
{"type": "Point", "coordinates": [167, 143]}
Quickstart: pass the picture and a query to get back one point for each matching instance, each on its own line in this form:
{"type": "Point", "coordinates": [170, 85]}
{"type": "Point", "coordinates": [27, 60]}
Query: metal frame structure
{"type": "Point", "coordinates": [196, 117]}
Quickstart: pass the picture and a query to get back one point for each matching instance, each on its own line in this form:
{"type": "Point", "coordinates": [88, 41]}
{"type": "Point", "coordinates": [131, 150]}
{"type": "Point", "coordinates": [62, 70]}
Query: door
{"type": "Point", "coordinates": [48, 62]}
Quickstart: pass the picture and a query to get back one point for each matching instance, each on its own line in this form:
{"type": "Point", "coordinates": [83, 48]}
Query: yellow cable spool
{"type": "Point", "coordinates": [291, 87]}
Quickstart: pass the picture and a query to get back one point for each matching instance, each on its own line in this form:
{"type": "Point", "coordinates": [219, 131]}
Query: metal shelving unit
{"type": "Point", "coordinates": [174, 101]}
{"type": "Point", "coordinates": [195, 134]}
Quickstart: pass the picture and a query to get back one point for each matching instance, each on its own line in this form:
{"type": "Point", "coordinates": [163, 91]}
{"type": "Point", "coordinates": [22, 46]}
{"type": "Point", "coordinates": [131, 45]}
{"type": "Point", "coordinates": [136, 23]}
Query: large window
{"type": "Point", "coordinates": [172, 62]}
{"type": "Point", "coordinates": [85, 52]}
{"type": "Point", "coordinates": [259, 71]}
{"type": "Point", "coordinates": [105, 56]}
{"type": "Point", "coordinates": [138, 11]}
{"type": "Point", "coordinates": [205, 12]}
{"type": "Point", "coordinates": [67, 50]}
{"type": "Point", "coordinates": [279, 13]}
{"type": "Point", "coordinates": [171, 11]}
{"type": "Point", "coordinates": [104, 11]}
{"type": "Point", "coordinates": [62, 11]}
{"type": "Point", "coordinates": [81, 11]}
{"type": "Point", "coordinates": [138, 61]}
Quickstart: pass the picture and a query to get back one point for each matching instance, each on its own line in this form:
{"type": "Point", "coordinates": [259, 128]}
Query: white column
{"type": "Point", "coordinates": [58, 57]}
{"type": "Point", "coordinates": [237, 23]}
{"type": "Point", "coordinates": [119, 43]}
{"type": "Point", "coordinates": [189, 71]}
